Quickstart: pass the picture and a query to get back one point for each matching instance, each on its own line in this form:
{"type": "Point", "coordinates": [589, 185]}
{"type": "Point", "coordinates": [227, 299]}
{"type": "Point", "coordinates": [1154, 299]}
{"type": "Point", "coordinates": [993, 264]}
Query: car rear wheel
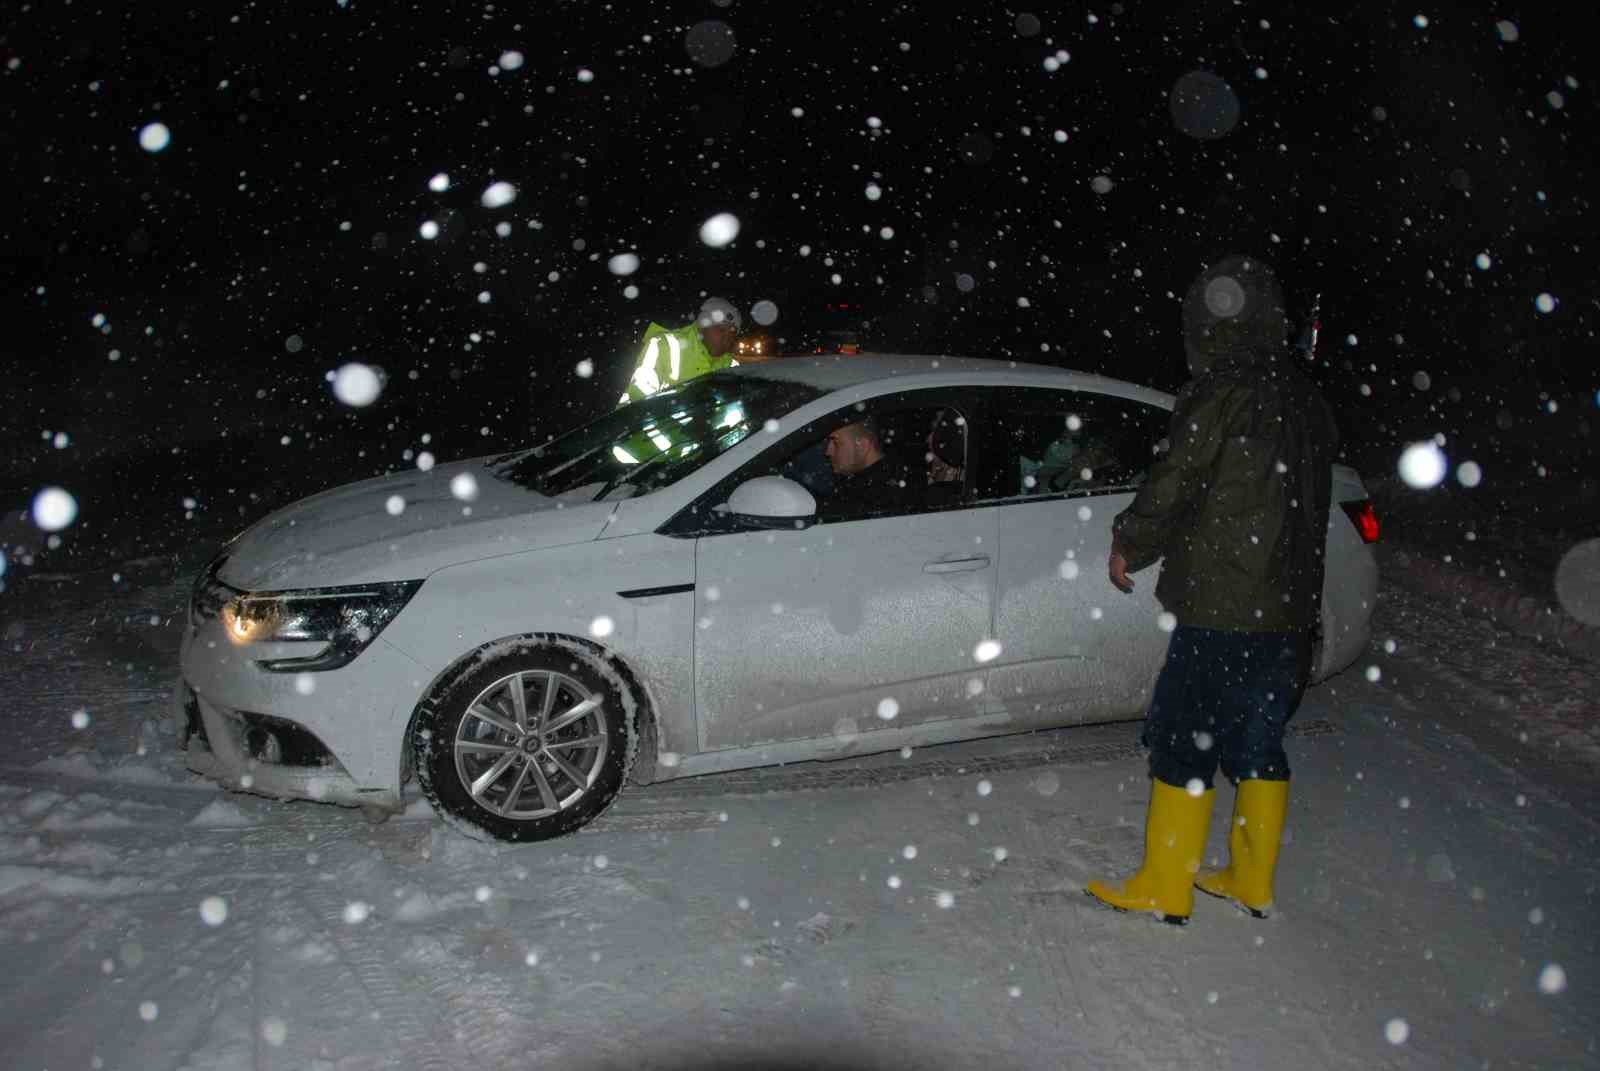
{"type": "Point", "coordinates": [527, 745]}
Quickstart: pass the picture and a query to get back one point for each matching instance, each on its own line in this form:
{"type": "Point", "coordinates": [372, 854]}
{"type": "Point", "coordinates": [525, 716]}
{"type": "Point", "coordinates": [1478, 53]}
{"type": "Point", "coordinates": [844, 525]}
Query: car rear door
{"type": "Point", "coordinates": [1073, 647]}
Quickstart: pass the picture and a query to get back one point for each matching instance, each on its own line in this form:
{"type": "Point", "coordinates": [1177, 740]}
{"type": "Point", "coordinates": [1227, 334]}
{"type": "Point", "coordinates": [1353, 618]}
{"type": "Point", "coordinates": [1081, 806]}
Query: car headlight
{"type": "Point", "coordinates": [343, 620]}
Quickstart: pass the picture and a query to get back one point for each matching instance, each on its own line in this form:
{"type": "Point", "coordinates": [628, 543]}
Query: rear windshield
{"type": "Point", "coordinates": [644, 446]}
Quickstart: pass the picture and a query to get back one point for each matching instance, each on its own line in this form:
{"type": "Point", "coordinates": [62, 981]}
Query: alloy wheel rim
{"type": "Point", "coordinates": [531, 745]}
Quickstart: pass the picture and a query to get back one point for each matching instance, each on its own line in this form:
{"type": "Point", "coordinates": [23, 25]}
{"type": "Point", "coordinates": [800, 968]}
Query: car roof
{"type": "Point", "coordinates": [831, 372]}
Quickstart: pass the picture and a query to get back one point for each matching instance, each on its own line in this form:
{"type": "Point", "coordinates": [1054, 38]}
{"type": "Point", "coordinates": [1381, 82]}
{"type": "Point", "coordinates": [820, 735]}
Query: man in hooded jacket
{"type": "Point", "coordinates": [1238, 512]}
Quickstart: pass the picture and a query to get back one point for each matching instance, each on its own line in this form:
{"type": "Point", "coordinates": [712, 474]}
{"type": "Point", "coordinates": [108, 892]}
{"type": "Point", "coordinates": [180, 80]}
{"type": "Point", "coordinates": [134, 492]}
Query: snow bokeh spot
{"type": "Point", "coordinates": [1545, 302]}
{"type": "Point", "coordinates": [510, 60]}
{"type": "Point", "coordinates": [149, 1010]}
{"type": "Point", "coordinates": [1507, 30]}
{"type": "Point", "coordinates": [305, 683]}
{"type": "Point", "coordinates": [1578, 582]}
{"type": "Point", "coordinates": [720, 230]}
{"type": "Point", "coordinates": [356, 911]}
{"type": "Point", "coordinates": [274, 1031]}
{"type": "Point", "coordinates": [439, 183]}
{"type": "Point", "coordinates": [987, 651]}
{"type": "Point", "coordinates": [213, 911]}
{"type": "Point", "coordinates": [1423, 465]}
{"type": "Point", "coordinates": [764, 313]}
{"type": "Point", "coordinates": [909, 851]}
{"type": "Point", "coordinates": [395, 505]}
{"type": "Point", "coordinates": [1069, 570]}
{"type": "Point", "coordinates": [1374, 674]}
{"type": "Point", "coordinates": [498, 195]}
{"type": "Point", "coordinates": [1195, 787]}
{"type": "Point", "coordinates": [888, 708]}
{"type": "Point", "coordinates": [601, 627]}
{"type": "Point", "coordinates": [1203, 106]}
{"type": "Point", "coordinates": [1166, 621]}
{"type": "Point", "coordinates": [710, 43]}
{"type": "Point", "coordinates": [356, 384]}
{"type": "Point", "coordinates": [154, 137]}
{"type": "Point", "coordinates": [623, 264]}
{"type": "Point", "coordinates": [80, 718]}
{"type": "Point", "coordinates": [1397, 1030]}
{"type": "Point", "coordinates": [54, 509]}
{"type": "Point", "coordinates": [1468, 474]}
{"type": "Point", "coordinates": [464, 487]}
{"type": "Point", "coordinates": [985, 787]}
{"type": "Point", "coordinates": [1101, 184]}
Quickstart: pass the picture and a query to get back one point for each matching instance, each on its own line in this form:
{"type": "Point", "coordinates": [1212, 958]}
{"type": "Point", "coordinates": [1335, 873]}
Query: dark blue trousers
{"type": "Point", "coordinates": [1225, 697]}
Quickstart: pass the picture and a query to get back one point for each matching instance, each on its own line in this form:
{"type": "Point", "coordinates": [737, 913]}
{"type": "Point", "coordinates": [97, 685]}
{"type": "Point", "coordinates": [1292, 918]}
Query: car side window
{"type": "Point", "coordinates": [1070, 442]}
{"type": "Point", "coordinates": [900, 454]}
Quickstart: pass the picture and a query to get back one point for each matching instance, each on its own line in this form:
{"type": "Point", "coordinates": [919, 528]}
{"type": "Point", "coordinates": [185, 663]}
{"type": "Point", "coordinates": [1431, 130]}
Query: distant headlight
{"type": "Point", "coordinates": [345, 619]}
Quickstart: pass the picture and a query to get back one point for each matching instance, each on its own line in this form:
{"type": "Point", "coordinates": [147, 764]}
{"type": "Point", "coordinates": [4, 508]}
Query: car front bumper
{"type": "Point", "coordinates": [334, 737]}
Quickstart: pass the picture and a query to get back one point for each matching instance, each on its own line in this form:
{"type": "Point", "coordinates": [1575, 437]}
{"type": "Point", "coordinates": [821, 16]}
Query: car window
{"type": "Point", "coordinates": [923, 443]}
{"type": "Point", "coordinates": [646, 445]}
{"type": "Point", "coordinates": [1070, 442]}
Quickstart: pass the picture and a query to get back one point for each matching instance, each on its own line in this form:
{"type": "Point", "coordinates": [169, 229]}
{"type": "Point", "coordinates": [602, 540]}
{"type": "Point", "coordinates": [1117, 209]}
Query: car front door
{"type": "Point", "coordinates": [860, 622]}
{"type": "Point", "coordinates": [1073, 647]}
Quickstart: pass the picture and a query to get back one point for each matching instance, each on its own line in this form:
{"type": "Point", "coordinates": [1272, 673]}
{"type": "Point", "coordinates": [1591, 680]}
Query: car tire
{"type": "Point", "coordinates": [495, 770]}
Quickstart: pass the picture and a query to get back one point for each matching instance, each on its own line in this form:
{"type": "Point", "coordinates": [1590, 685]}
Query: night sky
{"type": "Point", "coordinates": [971, 189]}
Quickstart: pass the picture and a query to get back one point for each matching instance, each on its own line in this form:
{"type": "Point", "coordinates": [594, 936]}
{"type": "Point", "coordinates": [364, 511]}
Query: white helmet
{"type": "Point", "coordinates": [718, 311]}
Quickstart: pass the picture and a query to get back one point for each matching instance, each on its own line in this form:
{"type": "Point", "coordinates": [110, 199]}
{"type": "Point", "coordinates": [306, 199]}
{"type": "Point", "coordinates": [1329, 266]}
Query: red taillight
{"type": "Point", "coordinates": [1364, 517]}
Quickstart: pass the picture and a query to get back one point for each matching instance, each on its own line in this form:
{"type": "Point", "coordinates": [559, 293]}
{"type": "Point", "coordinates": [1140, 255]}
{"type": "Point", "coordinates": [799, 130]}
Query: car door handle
{"type": "Point", "coordinates": [957, 565]}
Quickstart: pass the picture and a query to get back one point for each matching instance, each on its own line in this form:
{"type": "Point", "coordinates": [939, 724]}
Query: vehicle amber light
{"type": "Point", "coordinates": [245, 624]}
{"type": "Point", "coordinates": [1364, 517]}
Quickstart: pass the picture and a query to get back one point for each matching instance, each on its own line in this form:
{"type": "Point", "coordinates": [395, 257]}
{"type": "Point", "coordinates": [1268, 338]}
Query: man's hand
{"type": "Point", "coordinates": [1118, 568]}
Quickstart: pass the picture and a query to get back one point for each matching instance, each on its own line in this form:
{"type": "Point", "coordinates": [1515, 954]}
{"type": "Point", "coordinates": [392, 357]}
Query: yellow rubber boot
{"type": "Point", "coordinates": [1174, 842]}
{"type": "Point", "coordinates": [1258, 816]}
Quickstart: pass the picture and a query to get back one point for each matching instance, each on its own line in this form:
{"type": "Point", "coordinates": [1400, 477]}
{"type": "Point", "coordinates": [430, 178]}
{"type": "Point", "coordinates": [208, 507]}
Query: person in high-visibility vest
{"type": "Point", "coordinates": [670, 356]}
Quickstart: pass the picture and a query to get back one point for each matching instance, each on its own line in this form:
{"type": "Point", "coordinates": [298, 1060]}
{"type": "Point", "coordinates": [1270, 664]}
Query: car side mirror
{"type": "Point", "coordinates": [771, 502]}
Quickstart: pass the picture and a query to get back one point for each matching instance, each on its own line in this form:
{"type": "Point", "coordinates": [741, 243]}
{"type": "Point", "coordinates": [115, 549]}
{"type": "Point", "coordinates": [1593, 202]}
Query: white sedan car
{"type": "Point", "coordinates": [677, 588]}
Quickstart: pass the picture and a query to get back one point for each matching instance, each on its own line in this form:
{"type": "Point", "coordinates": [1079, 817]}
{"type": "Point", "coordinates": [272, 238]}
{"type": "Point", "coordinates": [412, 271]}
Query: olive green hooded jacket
{"type": "Point", "coordinates": [1238, 506]}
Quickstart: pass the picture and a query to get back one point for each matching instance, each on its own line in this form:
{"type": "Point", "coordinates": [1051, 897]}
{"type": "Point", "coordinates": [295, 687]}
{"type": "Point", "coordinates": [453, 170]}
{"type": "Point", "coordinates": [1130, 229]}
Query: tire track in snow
{"type": "Point", "coordinates": [417, 1033]}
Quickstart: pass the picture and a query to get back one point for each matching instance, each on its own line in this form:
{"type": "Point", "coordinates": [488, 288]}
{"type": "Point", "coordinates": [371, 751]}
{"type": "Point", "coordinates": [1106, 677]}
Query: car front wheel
{"type": "Point", "coordinates": [526, 745]}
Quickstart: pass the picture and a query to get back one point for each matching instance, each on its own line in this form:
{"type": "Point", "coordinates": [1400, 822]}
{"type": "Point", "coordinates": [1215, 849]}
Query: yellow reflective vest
{"type": "Point", "coordinates": [668, 357]}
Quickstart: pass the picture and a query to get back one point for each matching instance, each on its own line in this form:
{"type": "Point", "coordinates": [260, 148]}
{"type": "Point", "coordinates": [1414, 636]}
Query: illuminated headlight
{"type": "Point", "coordinates": [334, 624]}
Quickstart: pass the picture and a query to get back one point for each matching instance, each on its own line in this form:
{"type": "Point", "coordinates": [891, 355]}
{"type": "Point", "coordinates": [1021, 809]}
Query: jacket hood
{"type": "Point", "coordinates": [1233, 315]}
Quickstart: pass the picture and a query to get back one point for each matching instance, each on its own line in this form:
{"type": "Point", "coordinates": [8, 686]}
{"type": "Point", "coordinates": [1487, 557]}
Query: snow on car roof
{"type": "Point", "coordinates": [831, 372]}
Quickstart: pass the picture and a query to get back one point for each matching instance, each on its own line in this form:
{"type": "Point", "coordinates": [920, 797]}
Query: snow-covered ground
{"type": "Point", "coordinates": [1436, 894]}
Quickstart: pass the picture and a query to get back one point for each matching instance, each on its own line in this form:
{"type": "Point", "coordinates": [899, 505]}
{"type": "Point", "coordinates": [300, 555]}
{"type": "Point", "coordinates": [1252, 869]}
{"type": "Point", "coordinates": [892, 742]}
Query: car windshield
{"type": "Point", "coordinates": [643, 446]}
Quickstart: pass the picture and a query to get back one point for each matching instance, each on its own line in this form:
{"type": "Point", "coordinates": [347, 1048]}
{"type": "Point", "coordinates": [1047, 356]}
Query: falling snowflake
{"type": "Point", "coordinates": [356, 384]}
{"type": "Point", "coordinates": [498, 195]}
{"type": "Point", "coordinates": [1423, 465]}
{"type": "Point", "coordinates": [720, 230]}
{"type": "Point", "coordinates": [54, 509]}
{"type": "Point", "coordinates": [154, 137]}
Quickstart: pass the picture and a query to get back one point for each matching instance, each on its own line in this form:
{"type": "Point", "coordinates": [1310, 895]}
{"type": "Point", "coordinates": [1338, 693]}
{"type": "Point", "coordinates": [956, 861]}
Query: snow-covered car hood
{"type": "Point", "coordinates": [349, 535]}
